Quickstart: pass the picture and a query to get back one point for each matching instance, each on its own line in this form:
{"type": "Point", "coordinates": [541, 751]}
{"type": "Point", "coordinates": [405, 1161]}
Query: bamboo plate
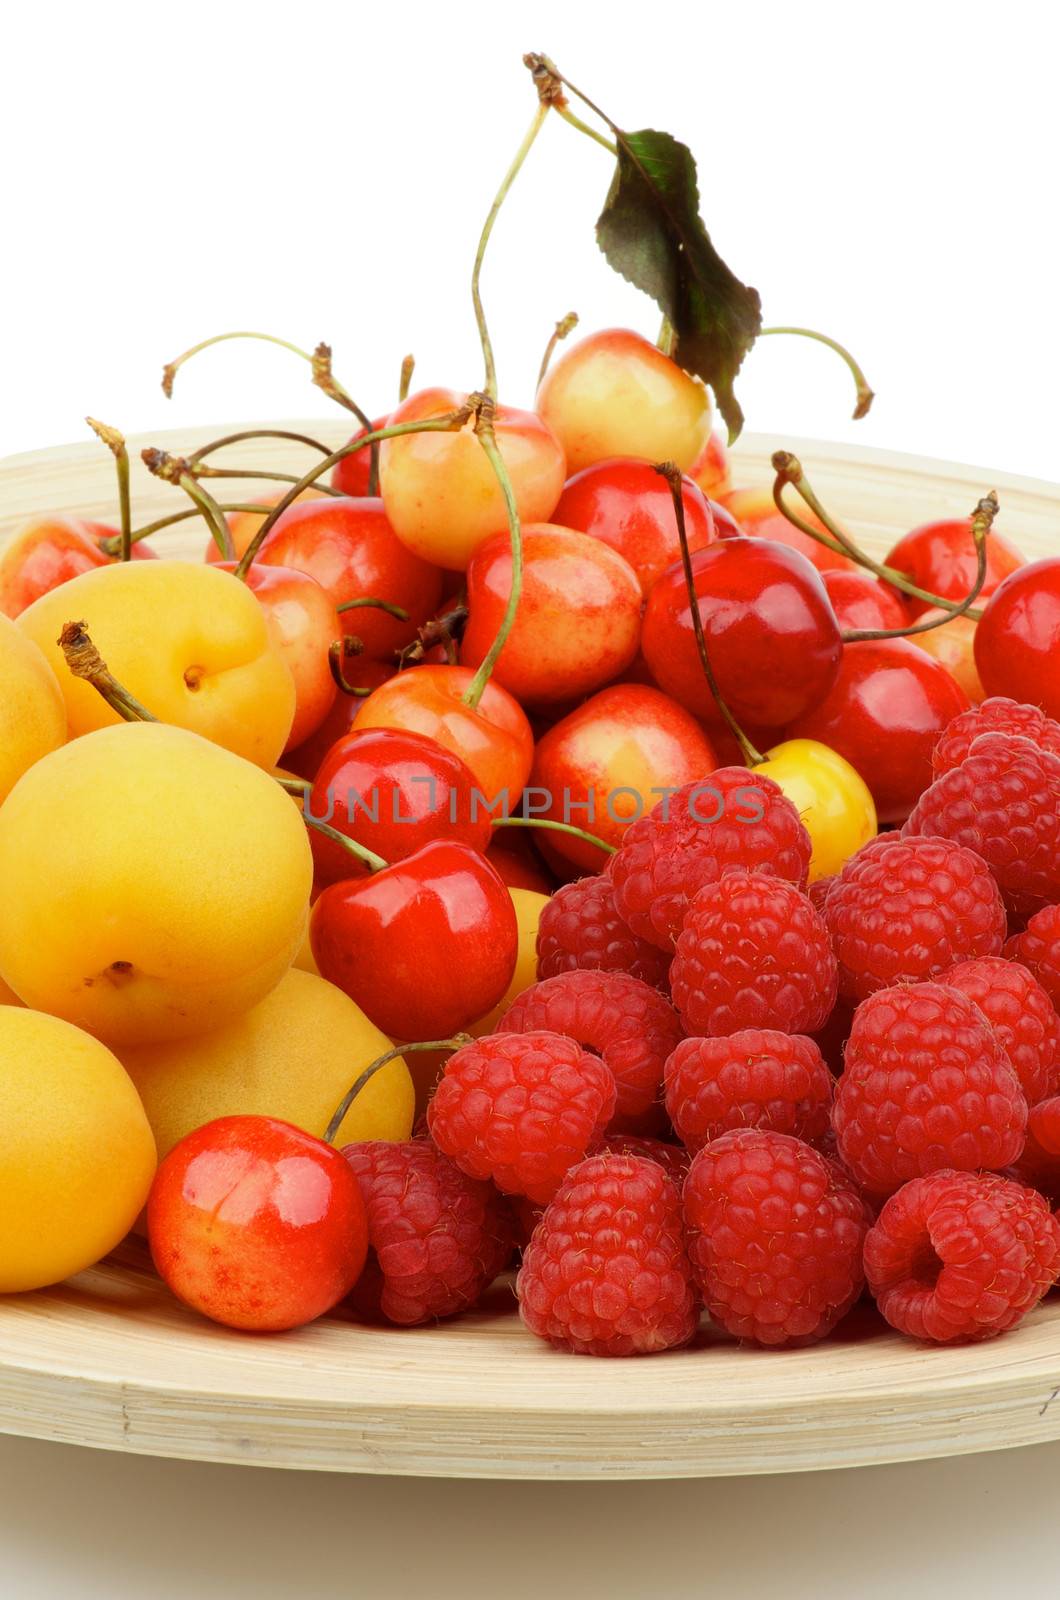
{"type": "Point", "coordinates": [111, 1360]}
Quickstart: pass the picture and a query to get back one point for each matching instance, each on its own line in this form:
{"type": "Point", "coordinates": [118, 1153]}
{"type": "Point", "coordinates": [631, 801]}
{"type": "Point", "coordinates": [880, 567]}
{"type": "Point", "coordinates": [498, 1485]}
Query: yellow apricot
{"type": "Point", "coordinates": [32, 710]}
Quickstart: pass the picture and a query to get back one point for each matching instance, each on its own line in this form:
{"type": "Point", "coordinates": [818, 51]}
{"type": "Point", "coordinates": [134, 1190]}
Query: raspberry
{"type": "Point", "coordinates": [996, 715]}
{"type": "Point", "coordinates": [904, 910]}
{"type": "Point", "coordinates": [669, 854]}
{"type": "Point", "coordinates": [926, 1085]}
{"type": "Point", "coordinates": [1021, 1015]}
{"type": "Point", "coordinates": [438, 1238]}
{"type": "Point", "coordinates": [521, 1108]}
{"type": "Point", "coordinates": [673, 1158]}
{"type": "Point", "coordinates": [755, 1079]}
{"type": "Point", "coordinates": [606, 1272]}
{"type": "Point", "coordinates": [580, 928]}
{"type": "Point", "coordinates": [775, 1235]}
{"type": "Point", "coordinates": [1038, 949]}
{"type": "Point", "coordinates": [1003, 802]}
{"type": "Point", "coordinates": [961, 1256]}
{"type": "Point", "coordinates": [752, 953]}
{"type": "Point", "coordinates": [629, 1025]}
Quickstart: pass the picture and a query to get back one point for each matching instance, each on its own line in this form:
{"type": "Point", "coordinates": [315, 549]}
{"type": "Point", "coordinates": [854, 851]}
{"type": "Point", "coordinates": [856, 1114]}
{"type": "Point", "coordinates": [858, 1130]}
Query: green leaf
{"type": "Point", "coordinates": [651, 232]}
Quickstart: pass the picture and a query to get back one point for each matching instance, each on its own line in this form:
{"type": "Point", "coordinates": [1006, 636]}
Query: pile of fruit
{"type": "Point", "coordinates": [514, 846]}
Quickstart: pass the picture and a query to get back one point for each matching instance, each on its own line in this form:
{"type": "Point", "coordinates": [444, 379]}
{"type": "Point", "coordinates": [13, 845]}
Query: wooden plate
{"type": "Point", "coordinates": [110, 1359]}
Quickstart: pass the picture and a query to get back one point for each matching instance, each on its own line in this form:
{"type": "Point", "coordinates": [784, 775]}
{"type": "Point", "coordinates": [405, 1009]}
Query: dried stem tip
{"type": "Point", "coordinates": [114, 440]}
{"type": "Point", "coordinates": [162, 465]}
{"type": "Point", "coordinates": [82, 657]}
{"type": "Point", "coordinates": [547, 81]}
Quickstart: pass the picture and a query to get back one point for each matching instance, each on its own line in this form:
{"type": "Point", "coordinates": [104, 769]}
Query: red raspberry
{"type": "Point", "coordinates": [752, 953]}
{"type": "Point", "coordinates": [1021, 1015]}
{"type": "Point", "coordinates": [606, 1272]}
{"type": "Point", "coordinates": [996, 715]}
{"type": "Point", "coordinates": [581, 928]}
{"type": "Point", "coordinates": [438, 1238]}
{"type": "Point", "coordinates": [521, 1108]}
{"type": "Point", "coordinates": [625, 1022]}
{"type": "Point", "coordinates": [961, 1256]}
{"type": "Point", "coordinates": [903, 910]}
{"type": "Point", "coordinates": [1038, 949]}
{"type": "Point", "coordinates": [673, 1158]}
{"type": "Point", "coordinates": [926, 1086]}
{"type": "Point", "coordinates": [733, 818]}
{"type": "Point", "coordinates": [775, 1235]}
{"type": "Point", "coordinates": [1003, 802]}
{"type": "Point", "coordinates": [755, 1079]}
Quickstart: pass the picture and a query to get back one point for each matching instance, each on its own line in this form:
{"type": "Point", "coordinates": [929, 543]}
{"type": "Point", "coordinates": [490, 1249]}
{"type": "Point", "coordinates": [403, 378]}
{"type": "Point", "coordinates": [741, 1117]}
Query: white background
{"type": "Point", "coordinates": [887, 173]}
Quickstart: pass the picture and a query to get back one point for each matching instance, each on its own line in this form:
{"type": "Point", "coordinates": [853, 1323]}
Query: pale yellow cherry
{"type": "Point", "coordinates": [293, 1056]}
{"type": "Point", "coordinates": [189, 642]}
{"type": "Point", "coordinates": [32, 710]}
{"type": "Point", "coordinates": [76, 1151]}
{"type": "Point", "coordinates": [153, 884]}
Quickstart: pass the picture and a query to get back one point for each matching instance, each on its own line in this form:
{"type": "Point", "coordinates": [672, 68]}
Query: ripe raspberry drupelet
{"type": "Point", "coordinates": [606, 1272]}
{"type": "Point", "coordinates": [752, 953]}
{"type": "Point", "coordinates": [521, 1108]}
{"type": "Point", "coordinates": [1021, 1015]}
{"type": "Point", "coordinates": [926, 1086]}
{"type": "Point", "coordinates": [437, 1237]}
{"type": "Point", "coordinates": [580, 928]}
{"type": "Point", "coordinates": [903, 910]}
{"type": "Point", "coordinates": [775, 1236]}
{"type": "Point", "coordinates": [1038, 949]}
{"type": "Point", "coordinates": [733, 818]}
{"type": "Point", "coordinates": [996, 715]}
{"type": "Point", "coordinates": [757, 1078]}
{"type": "Point", "coordinates": [961, 1256]}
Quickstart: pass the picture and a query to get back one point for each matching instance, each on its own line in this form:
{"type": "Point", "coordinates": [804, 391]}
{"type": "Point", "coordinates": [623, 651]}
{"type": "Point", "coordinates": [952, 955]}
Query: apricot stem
{"type": "Point", "coordinates": [490, 381]}
{"type": "Point", "coordinates": [563, 327]}
{"type": "Point", "coordinates": [487, 439]}
{"type": "Point", "coordinates": [174, 469]}
{"type": "Point", "coordinates": [672, 473]}
{"type": "Point", "coordinates": [115, 443]}
{"type": "Point", "coordinates": [982, 520]}
{"type": "Point", "coordinates": [556, 827]}
{"type": "Point", "coordinates": [369, 1072]}
{"type": "Point", "coordinates": [408, 367]}
{"type": "Point", "coordinates": [865, 395]}
{"type": "Point", "coordinates": [380, 605]}
{"type": "Point", "coordinates": [85, 661]}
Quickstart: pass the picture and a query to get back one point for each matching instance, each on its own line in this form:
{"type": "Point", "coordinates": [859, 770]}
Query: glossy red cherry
{"type": "Point", "coordinates": [889, 704]}
{"type": "Point", "coordinates": [628, 505]}
{"type": "Point", "coordinates": [423, 947]}
{"type": "Point", "coordinates": [256, 1224]}
{"type": "Point", "coordinates": [1017, 642]}
{"type": "Point", "coordinates": [711, 468]}
{"type": "Point", "coordinates": [393, 792]}
{"type": "Point", "coordinates": [243, 525]}
{"type": "Point", "coordinates": [940, 557]}
{"type": "Point", "coordinates": [353, 473]}
{"type": "Point", "coordinates": [772, 637]}
{"type": "Point", "coordinates": [756, 512]}
{"type": "Point", "coordinates": [47, 551]}
{"type": "Point", "coordinates": [351, 550]}
{"type": "Point", "coordinates": [725, 524]}
{"type": "Point", "coordinates": [608, 762]}
{"type": "Point", "coordinates": [861, 601]}
{"type": "Point", "coordinates": [519, 870]}
{"type": "Point", "coordinates": [578, 621]}
{"type": "Point", "coordinates": [359, 674]}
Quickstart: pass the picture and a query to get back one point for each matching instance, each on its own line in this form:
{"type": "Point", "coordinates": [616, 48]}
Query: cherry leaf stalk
{"type": "Point", "coordinates": [455, 1043]}
{"type": "Point", "coordinates": [115, 443]}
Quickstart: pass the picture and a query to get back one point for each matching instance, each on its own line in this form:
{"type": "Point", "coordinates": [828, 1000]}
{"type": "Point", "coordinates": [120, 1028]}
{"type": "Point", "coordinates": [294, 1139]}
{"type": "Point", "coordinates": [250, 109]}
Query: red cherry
{"type": "Point", "coordinates": [940, 557]}
{"type": "Point", "coordinates": [887, 708]}
{"type": "Point", "coordinates": [1017, 642]}
{"type": "Point", "coordinates": [711, 467]}
{"type": "Point", "coordinates": [424, 946]}
{"type": "Point", "coordinates": [601, 764]}
{"type": "Point", "coordinates": [756, 512]}
{"type": "Point", "coordinates": [629, 506]}
{"type": "Point", "coordinates": [578, 621]}
{"type": "Point", "coordinates": [47, 552]}
{"type": "Point", "coordinates": [518, 870]}
{"type": "Point", "coordinates": [349, 547]}
{"type": "Point", "coordinates": [257, 1224]}
{"type": "Point", "coordinates": [725, 524]}
{"type": "Point", "coordinates": [393, 792]}
{"type": "Point", "coordinates": [359, 674]}
{"type": "Point", "coordinates": [353, 473]}
{"type": "Point", "coordinates": [772, 637]}
{"type": "Point", "coordinates": [243, 525]}
{"type": "Point", "coordinates": [494, 738]}
{"type": "Point", "coordinates": [861, 601]}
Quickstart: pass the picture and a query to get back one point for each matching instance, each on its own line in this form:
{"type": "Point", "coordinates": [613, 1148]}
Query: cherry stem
{"type": "Point", "coordinates": [556, 827]}
{"type": "Point", "coordinates": [550, 84]}
{"type": "Point", "coordinates": [563, 327]}
{"type": "Point", "coordinates": [675, 479]}
{"type": "Point", "coordinates": [408, 367]}
{"type": "Point", "coordinates": [982, 521]}
{"type": "Point", "coordinates": [341, 650]}
{"type": "Point", "coordinates": [85, 661]}
{"type": "Point", "coordinates": [200, 472]}
{"type": "Point", "coordinates": [299, 787]}
{"type": "Point", "coordinates": [865, 395]}
{"type": "Point", "coordinates": [174, 469]}
{"type": "Point", "coordinates": [171, 368]}
{"type": "Point", "coordinates": [256, 433]}
{"type": "Point", "coordinates": [490, 381]}
{"type": "Point", "coordinates": [455, 1043]}
{"type": "Point", "coordinates": [788, 469]}
{"type": "Point", "coordinates": [448, 422]}
{"type": "Point", "coordinates": [380, 605]}
{"type": "Point", "coordinates": [487, 439]}
{"type": "Point", "coordinates": [360, 852]}
{"type": "Point", "coordinates": [112, 546]}
{"type": "Point", "coordinates": [115, 443]}
{"type": "Point", "coordinates": [444, 629]}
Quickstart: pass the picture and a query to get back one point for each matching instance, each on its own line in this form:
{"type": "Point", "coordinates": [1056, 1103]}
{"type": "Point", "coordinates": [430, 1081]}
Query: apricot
{"type": "Point", "coordinates": [32, 711]}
